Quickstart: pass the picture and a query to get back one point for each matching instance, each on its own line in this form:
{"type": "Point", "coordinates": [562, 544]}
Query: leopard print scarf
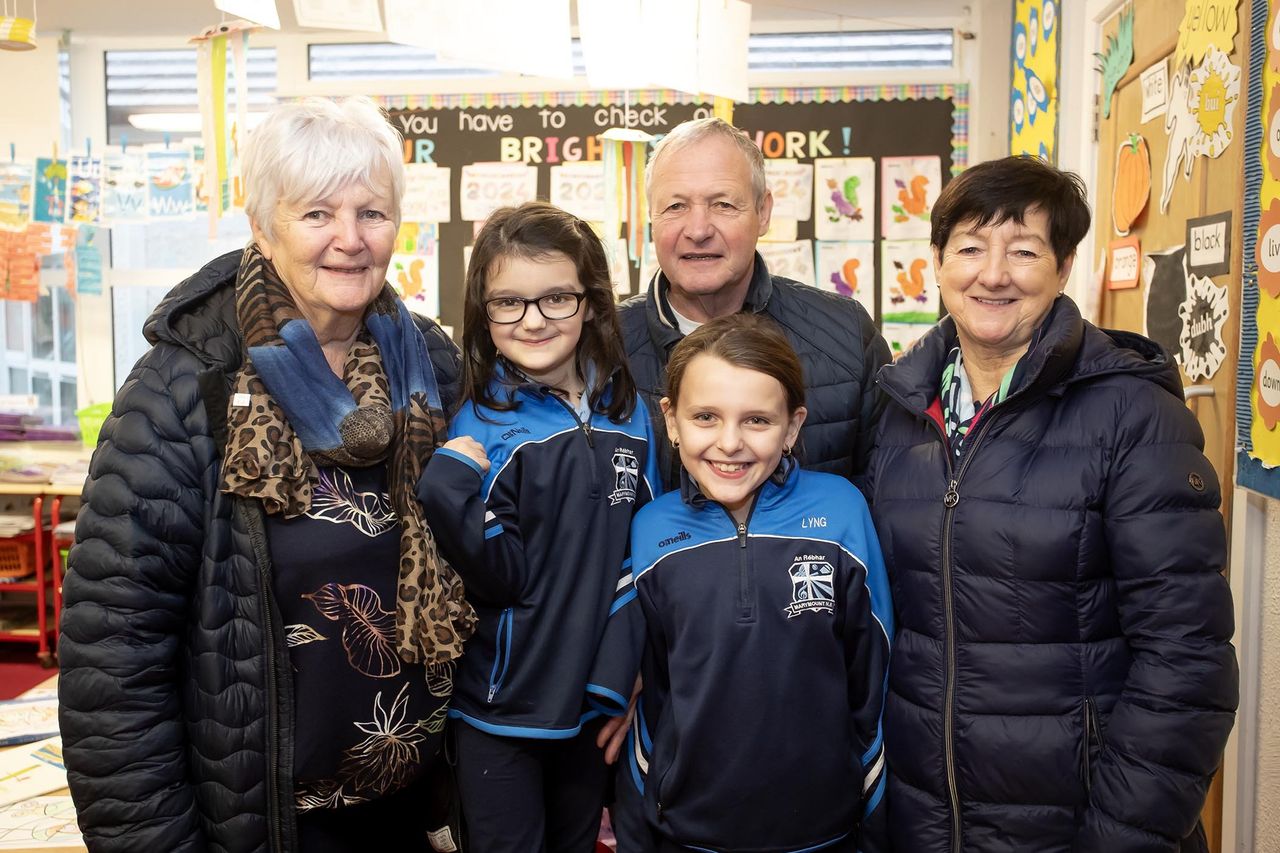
{"type": "Point", "coordinates": [268, 460]}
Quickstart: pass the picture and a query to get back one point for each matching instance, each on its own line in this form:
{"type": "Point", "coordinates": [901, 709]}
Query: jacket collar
{"type": "Point", "coordinates": [913, 378]}
{"type": "Point", "coordinates": [663, 328]}
{"type": "Point", "coordinates": [780, 483]}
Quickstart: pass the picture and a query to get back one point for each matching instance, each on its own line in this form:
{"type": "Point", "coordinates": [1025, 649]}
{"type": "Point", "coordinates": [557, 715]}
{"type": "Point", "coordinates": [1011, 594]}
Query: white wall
{"type": "Point", "coordinates": [31, 119]}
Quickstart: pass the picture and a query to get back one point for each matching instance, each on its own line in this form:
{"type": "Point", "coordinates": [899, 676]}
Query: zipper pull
{"type": "Point", "coordinates": [952, 497]}
{"type": "Point", "coordinates": [586, 430]}
{"type": "Point", "coordinates": [492, 690]}
{"type": "Point", "coordinates": [742, 534]}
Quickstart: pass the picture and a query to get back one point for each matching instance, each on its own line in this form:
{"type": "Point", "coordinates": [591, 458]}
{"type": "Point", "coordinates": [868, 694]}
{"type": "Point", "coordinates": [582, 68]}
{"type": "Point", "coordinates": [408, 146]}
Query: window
{"type": "Point", "coordinates": [39, 347]}
{"type": "Point", "coordinates": [848, 51]}
{"type": "Point", "coordinates": [164, 81]}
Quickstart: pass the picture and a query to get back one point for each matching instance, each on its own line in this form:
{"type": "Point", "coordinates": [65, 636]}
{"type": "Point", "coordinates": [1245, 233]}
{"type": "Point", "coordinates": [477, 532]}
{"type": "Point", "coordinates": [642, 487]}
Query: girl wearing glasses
{"type": "Point", "coordinates": [531, 499]}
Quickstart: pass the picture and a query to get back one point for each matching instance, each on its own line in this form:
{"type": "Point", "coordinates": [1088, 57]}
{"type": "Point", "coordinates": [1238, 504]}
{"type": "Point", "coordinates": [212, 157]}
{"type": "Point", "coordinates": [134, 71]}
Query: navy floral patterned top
{"type": "Point", "coordinates": [366, 723]}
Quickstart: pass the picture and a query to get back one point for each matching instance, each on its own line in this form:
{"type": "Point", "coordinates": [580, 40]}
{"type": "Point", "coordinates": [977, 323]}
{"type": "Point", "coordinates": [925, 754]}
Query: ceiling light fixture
{"type": "Point", "coordinates": [17, 33]}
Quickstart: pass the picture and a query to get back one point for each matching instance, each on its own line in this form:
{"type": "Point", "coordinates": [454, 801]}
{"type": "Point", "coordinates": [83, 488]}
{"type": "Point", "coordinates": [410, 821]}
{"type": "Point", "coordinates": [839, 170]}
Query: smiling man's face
{"type": "Point", "coordinates": [705, 226]}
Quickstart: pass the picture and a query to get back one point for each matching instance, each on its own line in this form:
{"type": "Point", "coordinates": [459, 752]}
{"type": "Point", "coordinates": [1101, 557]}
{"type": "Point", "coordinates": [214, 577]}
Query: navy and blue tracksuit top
{"type": "Point", "coordinates": [764, 669]}
{"type": "Point", "coordinates": [541, 544]}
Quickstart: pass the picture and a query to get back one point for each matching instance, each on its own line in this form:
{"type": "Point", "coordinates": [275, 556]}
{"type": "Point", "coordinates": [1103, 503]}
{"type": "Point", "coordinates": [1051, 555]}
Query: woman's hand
{"type": "Point", "coordinates": [614, 731]}
{"type": "Point", "coordinates": [472, 449]}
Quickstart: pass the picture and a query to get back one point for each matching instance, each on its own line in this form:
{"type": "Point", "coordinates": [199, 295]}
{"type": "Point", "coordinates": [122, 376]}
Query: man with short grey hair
{"type": "Point", "coordinates": [710, 204]}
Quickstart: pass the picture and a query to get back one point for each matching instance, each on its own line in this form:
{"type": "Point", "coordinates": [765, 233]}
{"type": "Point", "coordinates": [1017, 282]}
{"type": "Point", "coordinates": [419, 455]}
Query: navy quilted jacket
{"type": "Point", "coordinates": [174, 691]}
{"type": "Point", "coordinates": [1063, 678]}
{"type": "Point", "coordinates": [839, 349]}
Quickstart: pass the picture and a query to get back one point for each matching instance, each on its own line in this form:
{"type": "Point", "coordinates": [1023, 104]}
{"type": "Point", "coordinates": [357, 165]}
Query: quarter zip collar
{"type": "Point", "coordinates": [772, 491]}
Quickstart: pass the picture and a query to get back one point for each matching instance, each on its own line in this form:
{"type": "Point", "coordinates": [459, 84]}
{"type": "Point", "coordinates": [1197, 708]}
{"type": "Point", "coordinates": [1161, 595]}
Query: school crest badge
{"type": "Point", "coordinates": [626, 474]}
{"type": "Point", "coordinates": [812, 586]}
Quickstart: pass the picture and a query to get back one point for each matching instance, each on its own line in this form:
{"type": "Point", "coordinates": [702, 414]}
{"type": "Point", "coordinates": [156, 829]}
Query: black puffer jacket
{"type": "Point", "coordinates": [174, 693]}
{"type": "Point", "coordinates": [839, 349]}
{"type": "Point", "coordinates": [1062, 678]}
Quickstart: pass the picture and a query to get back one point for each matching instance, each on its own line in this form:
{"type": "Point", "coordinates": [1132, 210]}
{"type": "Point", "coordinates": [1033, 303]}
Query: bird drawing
{"type": "Point", "coordinates": [910, 284]}
{"type": "Point", "coordinates": [844, 200]}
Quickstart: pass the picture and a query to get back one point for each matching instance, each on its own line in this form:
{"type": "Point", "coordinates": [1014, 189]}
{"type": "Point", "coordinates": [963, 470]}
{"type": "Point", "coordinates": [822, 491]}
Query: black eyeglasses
{"type": "Point", "coordinates": [552, 306]}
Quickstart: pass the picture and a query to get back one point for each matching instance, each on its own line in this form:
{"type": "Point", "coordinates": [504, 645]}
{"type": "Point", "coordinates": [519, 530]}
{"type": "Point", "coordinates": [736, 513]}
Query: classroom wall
{"type": "Point", "coordinates": [31, 121]}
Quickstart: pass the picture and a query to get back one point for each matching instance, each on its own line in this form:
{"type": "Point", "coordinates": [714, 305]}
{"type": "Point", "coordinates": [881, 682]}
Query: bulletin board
{"type": "Point", "coordinates": [1258, 371]}
{"type": "Point", "coordinates": [550, 129]}
{"type": "Point", "coordinates": [1170, 206]}
{"type": "Point", "coordinates": [1169, 209]}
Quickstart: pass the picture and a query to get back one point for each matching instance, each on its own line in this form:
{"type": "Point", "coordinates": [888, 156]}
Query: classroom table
{"type": "Point", "coordinates": [41, 586]}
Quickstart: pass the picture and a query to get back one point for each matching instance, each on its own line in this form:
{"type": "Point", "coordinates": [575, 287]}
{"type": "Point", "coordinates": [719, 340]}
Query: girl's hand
{"type": "Point", "coordinates": [472, 449]}
{"type": "Point", "coordinates": [613, 734]}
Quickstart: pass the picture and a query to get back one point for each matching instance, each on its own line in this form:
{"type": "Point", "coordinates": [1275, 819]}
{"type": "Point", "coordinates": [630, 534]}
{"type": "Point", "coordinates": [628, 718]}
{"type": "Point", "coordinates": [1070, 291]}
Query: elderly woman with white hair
{"type": "Point", "coordinates": [259, 636]}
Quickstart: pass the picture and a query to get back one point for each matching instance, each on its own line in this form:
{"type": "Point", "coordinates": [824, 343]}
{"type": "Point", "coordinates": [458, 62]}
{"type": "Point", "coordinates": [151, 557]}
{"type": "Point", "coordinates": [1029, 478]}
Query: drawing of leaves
{"type": "Point", "coordinates": [326, 794]}
{"type": "Point", "coordinates": [435, 723]}
{"type": "Point", "coordinates": [388, 755]}
{"type": "Point", "coordinates": [368, 631]}
{"type": "Point", "coordinates": [301, 634]}
{"type": "Point", "coordinates": [336, 500]}
{"type": "Point", "coordinates": [440, 679]}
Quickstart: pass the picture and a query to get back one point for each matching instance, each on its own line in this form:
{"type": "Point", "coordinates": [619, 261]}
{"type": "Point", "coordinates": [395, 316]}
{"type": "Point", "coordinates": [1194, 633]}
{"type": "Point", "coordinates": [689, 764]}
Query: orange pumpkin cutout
{"type": "Point", "coordinates": [1133, 183]}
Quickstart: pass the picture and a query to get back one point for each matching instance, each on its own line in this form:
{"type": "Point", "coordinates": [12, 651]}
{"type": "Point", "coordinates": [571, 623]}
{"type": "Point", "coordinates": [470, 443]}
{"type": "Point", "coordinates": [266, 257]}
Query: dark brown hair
{"type": "Point", "coordinates": [537, 230]}
{"type": "Point", "coordinates": [748, 341]}
{"type": "Point", "coordinates": [999, 190]}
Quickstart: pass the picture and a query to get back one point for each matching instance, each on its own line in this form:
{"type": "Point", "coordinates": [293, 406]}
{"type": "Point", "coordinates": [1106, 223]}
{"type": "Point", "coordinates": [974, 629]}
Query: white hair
{"type": "Point", "coordinates": [308, 150]}
{"type": "Point", "coordinates": [695, 130]}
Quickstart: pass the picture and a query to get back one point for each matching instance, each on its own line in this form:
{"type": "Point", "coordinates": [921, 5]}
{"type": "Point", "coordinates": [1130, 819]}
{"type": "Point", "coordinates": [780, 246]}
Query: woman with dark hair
{"type": "Point", "coordinates": [1063, 677]}
{"type": "Point", "coordinates": [259, 635]}
{"type": "Point", "coordinates": [550, 455]}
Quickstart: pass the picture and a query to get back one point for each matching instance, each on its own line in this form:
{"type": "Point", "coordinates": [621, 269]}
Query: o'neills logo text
{"type": "Point", "coordinates": [512, 432]}
{"type": "Point", "coordinates": [679, 537]}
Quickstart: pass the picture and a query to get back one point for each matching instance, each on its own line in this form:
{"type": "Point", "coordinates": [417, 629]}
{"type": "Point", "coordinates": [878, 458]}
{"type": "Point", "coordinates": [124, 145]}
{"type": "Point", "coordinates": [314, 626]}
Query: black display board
{"type": "Point", "coordinates": [550, 135]}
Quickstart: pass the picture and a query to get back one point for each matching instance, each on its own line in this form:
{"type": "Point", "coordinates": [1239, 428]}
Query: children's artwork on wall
{"type": "Point", "coordinates": [1273, 128]}
{"type": "Point", "coordinates": [170, 184]}
{"type": "Point", "coordinates": [426, 193]}
{"type": "Point", "coordinates": [1213, 90]}
{"type": "Point", "coordinates": [1165, 275]}
{"type": "Point", "coordinates": [1116, 58]}
{"type": "Point", "coordinates": [908, 289]}
{"type": "Point", "coordinates": [17, 184]}
{"type": "Point", "coordinates": [1206, 25]}
{"type": "Point", "coordinates": [1268, 250]}
{"type": "Point", "coordinates": [414, 272]}
{"type": "Point", "coordinates": [1124, 262]}
{"type": "Point", "coordinates": [790, 260]}
{"type": "Point", "coordinates": [1199, 117]}
{"type": "Point", "coordinates": [88, 259]}
{"type": "Point", "coordinates": [51, 190]}
{"type": "Point", "coordinates": [579, 188]}
{"type": "Point", "coordinates": [124, 187]}
{"type": "Point", "coordinates": [1155, 90]}
{"type": "Point", "coordinates": [847, 267]}
{"type": "Point", "coordinates": [1266, 388]}
{"type": "Point", "coordinates": [1209, 244]}
{"type": "Point", "coordinates": [1132, 185]}
{"type": "Point", "coordinates": [1203, 313]}
{"type": "Point", "coordinates": [908, 188]}
{"type": "Point", "coordinates": [844, 196]}
{"type": "Point", "coordinates": [900, 336]}
{"type": "Point", "coordinates": [780, 230]}
{"type": "Point", "coordinates": [84, 186]}
{"type": "Point", "coordinates": [1033, 109]}
{"type": "Point", "coordinates": [488, 186]}
{"type": "Point", "coordinates": [792, 186]}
